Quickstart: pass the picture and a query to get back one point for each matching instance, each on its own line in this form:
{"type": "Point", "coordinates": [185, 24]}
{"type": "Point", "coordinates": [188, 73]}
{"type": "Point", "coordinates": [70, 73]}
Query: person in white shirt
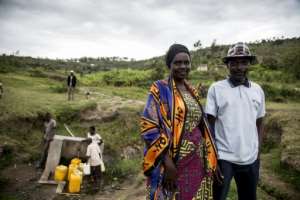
{"type": "Point", "coordinates": [96, 138]}
{"type": "Point", "coordinates": [235, 109]}
{"type": "Point", "coordinates": [94, 157]}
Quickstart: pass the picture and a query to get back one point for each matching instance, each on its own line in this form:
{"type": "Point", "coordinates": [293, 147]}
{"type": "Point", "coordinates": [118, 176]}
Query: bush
{"type": "Point", "coordinates": [58, 88]}
{"type": "Point", "coordinates": [270, 62]}
{"type": "Point", "coordinates": [126, 77]}
{"type": "Point", "coordinates": [280, 93]}
{"type": "Point", "coordinates": [123, 168]}
{"type": "Point", "coordinates": [258, 73]}
{"type": "Point", "coordinates": [37, 73]}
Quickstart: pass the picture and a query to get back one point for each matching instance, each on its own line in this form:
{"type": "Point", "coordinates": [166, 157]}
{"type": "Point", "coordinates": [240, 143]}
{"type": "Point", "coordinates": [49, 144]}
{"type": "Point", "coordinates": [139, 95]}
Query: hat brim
{"type": "Point", "coordinates": [228, 58]}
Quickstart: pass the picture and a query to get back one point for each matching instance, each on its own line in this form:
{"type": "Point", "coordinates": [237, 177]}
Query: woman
{"type": "Point", "coordinates": [179, 157]}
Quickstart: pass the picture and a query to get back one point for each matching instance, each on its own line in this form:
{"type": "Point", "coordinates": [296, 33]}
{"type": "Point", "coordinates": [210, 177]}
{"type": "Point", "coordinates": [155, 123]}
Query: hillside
{"type": "Point", "coordinates": [33, 87]}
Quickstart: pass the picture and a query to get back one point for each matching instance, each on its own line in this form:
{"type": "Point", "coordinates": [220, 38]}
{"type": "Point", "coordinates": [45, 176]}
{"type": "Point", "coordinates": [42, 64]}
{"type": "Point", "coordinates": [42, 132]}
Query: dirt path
{"type": "Point", "coordinates": [21, 183]}
{"type": "Point", "coordinates": [108, 107]}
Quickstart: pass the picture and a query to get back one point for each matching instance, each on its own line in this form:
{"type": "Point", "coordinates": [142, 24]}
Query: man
{"type": "Point", "coordinates": [71, 81]}
{"type": "Point", "coordinates": [235, 108]}
{"type": "Point", "coordinates": [49, 132]}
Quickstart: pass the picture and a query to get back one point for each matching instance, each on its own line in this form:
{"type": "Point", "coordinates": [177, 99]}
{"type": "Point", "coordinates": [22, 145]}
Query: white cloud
{"type": "Point", "coordinates": [138, 29]}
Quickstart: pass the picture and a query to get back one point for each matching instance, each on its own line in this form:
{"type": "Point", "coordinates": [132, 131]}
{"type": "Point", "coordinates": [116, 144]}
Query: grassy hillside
{"type": "Point", "coordinates": [33, 87]}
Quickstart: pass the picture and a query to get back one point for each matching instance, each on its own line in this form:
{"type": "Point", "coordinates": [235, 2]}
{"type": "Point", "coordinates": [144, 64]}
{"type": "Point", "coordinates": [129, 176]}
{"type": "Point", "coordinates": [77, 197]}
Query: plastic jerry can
{"type": "Point", "coordinates": [74, 183]}
{"type": "Point", "coordinates": [75, 161]}
{"type": "Point", "coordinates": [61, 172]}
{"type": "Point", "coordinates": [72, 167]}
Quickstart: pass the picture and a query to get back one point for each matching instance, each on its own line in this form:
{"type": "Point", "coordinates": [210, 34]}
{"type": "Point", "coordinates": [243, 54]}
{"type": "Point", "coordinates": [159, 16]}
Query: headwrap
{"type": "Point", "coordinates": [173, 51]}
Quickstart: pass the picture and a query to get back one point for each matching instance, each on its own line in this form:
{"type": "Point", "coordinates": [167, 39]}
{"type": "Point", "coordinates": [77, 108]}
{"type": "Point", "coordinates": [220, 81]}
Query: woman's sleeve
{"type": "Point", "coordinates": [156, 140]}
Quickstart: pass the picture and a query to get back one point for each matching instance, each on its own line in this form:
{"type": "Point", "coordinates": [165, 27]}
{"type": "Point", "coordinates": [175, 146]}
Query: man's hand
{"type": "Point", "coordinates": [260, 132]}
{"type": "Point", "coordinates": [218, 176]}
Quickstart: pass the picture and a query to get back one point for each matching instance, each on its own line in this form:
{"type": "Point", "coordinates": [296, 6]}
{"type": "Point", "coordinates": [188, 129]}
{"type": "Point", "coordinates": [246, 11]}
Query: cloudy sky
{"type": "Point", "coordinates": [138, 28]}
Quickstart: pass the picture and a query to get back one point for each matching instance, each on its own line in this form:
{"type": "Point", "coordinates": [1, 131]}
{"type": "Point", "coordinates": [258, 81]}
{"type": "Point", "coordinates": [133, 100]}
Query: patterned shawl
{"type": "Point", "coordinates": [162, 124]}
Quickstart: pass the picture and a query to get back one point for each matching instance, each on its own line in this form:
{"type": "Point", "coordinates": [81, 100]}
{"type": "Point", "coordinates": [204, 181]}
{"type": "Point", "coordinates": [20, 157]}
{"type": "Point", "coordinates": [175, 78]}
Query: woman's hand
{"type": "Point", "coordinates": [170, 174]}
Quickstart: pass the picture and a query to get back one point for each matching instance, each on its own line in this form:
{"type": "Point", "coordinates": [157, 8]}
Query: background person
{"type": "Point", "coordinates": [71, 83]}
{"type": "Point", "coordinates": [96, 137]}
{"type": "Point", "coordinates": [94, 157]}
{"type": "Point", "coordinates": [49, 132]}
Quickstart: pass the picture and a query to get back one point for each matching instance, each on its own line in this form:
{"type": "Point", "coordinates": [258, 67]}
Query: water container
{"type": "Point", "coordinates": [74, 183]}
{"type": "Point", "coordinates": [61, 172]}
{"type": "Point", "coordinates": [75, 161]}
{"type": "Point", "coordinates": [78, 172]}
{"type": "Point", "coordinates": [80, 166]}
{"type": "Point", "coordinates": [72, 167]}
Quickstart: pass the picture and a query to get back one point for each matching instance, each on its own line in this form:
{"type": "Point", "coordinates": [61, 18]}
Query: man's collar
{"type": "Point", "coordinates": [234, 83]}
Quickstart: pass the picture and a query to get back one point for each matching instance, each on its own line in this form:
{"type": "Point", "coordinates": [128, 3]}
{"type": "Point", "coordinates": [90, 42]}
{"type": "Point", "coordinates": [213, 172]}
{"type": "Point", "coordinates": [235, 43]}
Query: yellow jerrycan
{"type": "Point", "coordinates": [75, 161]}
{"type": "Point", "coordinates": [61, 172]}
{"type": "Point", "coordinates": [74, 182]}
{"type": "Point", "coordinates": [72, 168]}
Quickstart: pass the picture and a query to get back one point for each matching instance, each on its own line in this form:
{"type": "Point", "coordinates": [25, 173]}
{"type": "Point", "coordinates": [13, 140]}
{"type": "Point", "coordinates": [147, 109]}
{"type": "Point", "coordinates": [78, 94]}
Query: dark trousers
{"type": "Point", "coordinates": [96, 176]}
{"type": "Point", "coordinates": [45, 148]}
{"type": "Point", "coordinates": [245, 176]}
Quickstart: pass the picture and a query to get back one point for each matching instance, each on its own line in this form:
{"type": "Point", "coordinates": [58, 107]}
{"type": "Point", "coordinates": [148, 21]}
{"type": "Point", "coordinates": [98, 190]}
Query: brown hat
{"type": "Point", "coordinates": [239, 50]}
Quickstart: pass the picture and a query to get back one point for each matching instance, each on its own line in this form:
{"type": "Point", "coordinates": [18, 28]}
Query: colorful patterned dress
{"type": "Point", "coordinates": [170, 125]}
{"type": "Point", "coordinates": [193, 180]}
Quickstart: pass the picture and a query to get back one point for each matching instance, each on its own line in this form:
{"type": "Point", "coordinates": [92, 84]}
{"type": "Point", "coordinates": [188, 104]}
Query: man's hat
{"type": "Point", "coordinates": [71, 71]}
{"type": "Point", "coordinates": [239, 50]}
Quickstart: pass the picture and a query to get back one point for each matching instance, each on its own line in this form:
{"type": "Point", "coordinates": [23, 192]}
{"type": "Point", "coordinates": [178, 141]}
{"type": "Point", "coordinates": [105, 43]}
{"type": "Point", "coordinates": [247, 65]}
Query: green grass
{"type": "Point", "coordinates": [27, 98]}
{"type": "Point", "coordinates": [117, 77]}
{"type": "Point", "coordinates": [288, 175]}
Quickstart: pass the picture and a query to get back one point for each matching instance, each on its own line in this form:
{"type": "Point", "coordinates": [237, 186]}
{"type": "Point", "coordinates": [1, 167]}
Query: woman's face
{"type": "Point", "coordinates": [181, 66]}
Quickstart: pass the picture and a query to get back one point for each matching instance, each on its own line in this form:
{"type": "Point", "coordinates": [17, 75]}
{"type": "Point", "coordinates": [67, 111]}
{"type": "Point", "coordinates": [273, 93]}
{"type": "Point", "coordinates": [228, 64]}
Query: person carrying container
{"type": "Point", "coordinates": [94, 157]}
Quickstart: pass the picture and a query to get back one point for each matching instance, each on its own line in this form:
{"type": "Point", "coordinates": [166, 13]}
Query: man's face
{"type": "Point", "coordinates": [181, 66]}
{"type": "Point", "coordinates": [238, 68]}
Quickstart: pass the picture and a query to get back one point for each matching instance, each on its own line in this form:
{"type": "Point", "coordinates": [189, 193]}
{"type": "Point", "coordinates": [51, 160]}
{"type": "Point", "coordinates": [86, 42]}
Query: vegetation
{"type": "Point", "coordinates": [119, 86]}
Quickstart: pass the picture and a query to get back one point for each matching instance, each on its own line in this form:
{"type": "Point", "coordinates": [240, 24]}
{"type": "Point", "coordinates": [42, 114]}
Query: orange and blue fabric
{"type": "Point", "coordinates": [162, 124]}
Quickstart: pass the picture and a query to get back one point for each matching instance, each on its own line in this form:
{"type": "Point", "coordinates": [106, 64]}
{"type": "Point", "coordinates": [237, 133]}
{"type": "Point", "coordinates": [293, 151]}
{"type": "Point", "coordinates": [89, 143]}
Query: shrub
{"type": "Point", "coordinates": [280, 93]}
{"type": "Point", "coordinates": [58, 88]}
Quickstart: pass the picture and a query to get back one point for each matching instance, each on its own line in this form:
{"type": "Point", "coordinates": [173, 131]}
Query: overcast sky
{"type": "Point", "coordinates": [138, 28]}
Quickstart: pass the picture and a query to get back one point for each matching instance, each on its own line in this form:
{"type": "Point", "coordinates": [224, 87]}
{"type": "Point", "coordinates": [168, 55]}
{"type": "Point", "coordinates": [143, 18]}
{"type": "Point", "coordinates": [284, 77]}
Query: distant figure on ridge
{"type": "Point", "coordinates": [71, 81]}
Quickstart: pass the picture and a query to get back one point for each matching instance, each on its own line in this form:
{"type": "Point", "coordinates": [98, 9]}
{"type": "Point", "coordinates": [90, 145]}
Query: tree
{"type": "Point", "coordinates": [196, 60]}
{"type": "Point", "coordinates": [198, 45]}
{"type": "Point", "coordinates": [158, 71]}
{"type": "Point", "coordinates": [291, 61]}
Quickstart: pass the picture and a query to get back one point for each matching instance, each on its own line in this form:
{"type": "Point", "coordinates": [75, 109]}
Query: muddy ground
{"type": "Point", "coordinates": [22, 183]}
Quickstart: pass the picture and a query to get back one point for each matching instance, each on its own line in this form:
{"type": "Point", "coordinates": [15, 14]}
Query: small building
{"type": "Point", "coordinates": [202, 68]}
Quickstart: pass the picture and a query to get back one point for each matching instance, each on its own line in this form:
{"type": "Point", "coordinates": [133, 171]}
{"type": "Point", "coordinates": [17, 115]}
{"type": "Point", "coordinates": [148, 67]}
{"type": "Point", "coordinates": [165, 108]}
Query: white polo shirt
{"type": "Point", "coordinates": [236, 110]}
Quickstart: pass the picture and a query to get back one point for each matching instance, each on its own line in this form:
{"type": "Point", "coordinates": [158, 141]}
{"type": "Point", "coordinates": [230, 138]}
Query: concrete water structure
{"type": "Point", "coordinates": [65, 147]}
